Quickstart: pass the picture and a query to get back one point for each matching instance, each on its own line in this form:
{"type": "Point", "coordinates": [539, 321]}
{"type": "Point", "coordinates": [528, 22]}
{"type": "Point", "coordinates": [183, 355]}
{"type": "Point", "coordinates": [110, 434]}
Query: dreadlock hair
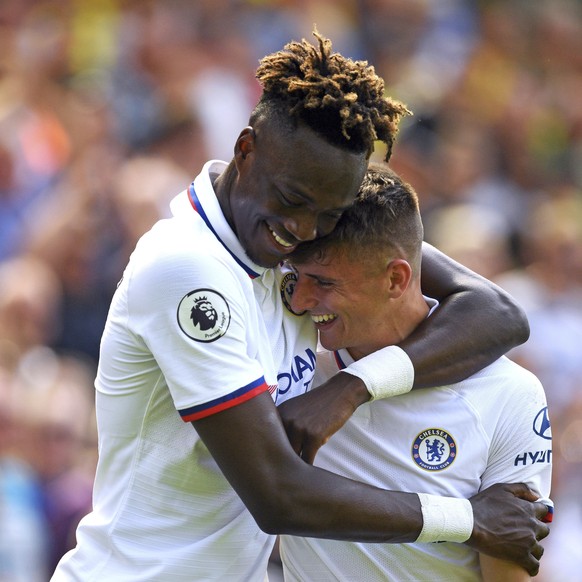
{"type": "Point", "coordinates": [340, 99]}
{"type": "Point", "coordinates": [384, 220]}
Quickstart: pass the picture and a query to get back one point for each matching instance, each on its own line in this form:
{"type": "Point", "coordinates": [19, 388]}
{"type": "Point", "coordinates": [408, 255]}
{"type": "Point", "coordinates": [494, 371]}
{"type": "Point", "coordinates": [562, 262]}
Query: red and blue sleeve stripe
{"type": "Point", "coordinates": [233, 399]}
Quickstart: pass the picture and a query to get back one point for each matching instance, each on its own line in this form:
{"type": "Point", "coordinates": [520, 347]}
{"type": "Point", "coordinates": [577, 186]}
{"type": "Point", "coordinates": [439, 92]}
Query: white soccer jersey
{"type": "Point", "coordinates": [452, 441]}
{"type": "Point", "coordinates": [194, 327]}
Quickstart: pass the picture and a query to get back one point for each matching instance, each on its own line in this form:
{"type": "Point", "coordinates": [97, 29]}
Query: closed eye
{"type": "Point", "coordinates": [291, 201]}
{"type": "Point", "coordinates": [324, 283]}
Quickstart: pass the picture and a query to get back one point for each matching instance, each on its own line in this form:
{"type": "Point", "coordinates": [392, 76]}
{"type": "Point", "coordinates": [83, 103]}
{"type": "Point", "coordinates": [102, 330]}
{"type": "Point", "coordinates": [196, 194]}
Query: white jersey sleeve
{"type": "Point", "coordinates": [193, 316]}
{"type": "Point", "coordinates": [521, 437]}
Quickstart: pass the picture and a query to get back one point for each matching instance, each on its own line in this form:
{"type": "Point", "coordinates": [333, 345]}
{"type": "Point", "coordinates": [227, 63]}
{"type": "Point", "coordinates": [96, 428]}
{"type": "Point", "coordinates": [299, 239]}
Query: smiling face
{"type": "Point", "coordinates": [348, 300]}
{"type": "Point", "coordinates": [290, 187]}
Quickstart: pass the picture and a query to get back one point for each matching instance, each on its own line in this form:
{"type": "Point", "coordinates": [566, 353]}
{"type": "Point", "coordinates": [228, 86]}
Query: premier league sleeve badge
{"type": "Point", "coordinates": [204, 315]}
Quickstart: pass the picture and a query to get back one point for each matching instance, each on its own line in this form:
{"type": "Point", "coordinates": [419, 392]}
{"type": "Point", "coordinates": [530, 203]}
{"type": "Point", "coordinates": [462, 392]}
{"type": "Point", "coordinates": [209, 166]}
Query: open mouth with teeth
{"type": "Point", "coordinates": [280, 240]}
{"type": "Point", "coordinates": [325, 318]}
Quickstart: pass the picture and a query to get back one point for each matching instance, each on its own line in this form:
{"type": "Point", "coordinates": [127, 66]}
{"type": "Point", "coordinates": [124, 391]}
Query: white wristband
{"type": "Point", "coordinates": [445, 519]}
{"type": "Point", "coordinates": [387, 372]}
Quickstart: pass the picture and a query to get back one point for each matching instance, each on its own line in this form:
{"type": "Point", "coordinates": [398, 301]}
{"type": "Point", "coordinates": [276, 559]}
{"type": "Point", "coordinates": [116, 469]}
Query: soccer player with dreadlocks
{"type": "Point", "coordinates": [200, 332]}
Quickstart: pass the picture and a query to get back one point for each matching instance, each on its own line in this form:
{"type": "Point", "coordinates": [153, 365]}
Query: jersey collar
{"type": "Point", "coordinates": [342, 358]}
{"type": "Point", "coordinates": [203, 200]}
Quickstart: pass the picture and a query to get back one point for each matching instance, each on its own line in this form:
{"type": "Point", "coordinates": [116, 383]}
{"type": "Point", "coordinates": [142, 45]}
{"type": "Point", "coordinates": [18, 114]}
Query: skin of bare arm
{"type": "Point", "coordinates": [475, 323]}
{"type": "Point", "coordinates": [285, 495]}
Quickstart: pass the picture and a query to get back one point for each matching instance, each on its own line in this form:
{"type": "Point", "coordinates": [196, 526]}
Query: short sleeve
{"type": "Point", "coordinates": [197, 317]}
{"type": "Point", "coordinates": [521, 447]}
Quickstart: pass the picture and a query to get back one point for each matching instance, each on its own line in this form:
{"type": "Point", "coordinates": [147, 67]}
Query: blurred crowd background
{"type": "Point", "coordinates": [108, 108]}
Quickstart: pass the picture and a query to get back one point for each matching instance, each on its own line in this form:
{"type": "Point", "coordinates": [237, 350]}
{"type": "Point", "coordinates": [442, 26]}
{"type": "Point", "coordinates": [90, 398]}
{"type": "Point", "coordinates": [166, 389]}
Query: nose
{"type": "Point", "coordinates": [303, 298]}
{"type": "Point", "coordinates": [303, 226]}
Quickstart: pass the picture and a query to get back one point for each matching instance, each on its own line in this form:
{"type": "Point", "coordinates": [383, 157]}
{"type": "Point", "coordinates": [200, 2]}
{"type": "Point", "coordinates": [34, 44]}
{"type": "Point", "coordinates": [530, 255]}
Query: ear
{"type": "Point", "coordinates": [398, 276]}
{"type": "Point", "coordinates": [245, 144]}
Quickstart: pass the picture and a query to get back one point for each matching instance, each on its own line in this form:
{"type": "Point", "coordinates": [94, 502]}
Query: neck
{"type": "Point", "coordinates": [402, 320]}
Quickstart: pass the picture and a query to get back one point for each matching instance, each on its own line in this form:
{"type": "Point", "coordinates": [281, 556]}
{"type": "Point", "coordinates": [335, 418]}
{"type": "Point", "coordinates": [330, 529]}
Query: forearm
{"type": "Point", "coordinates": [325, 505]}
{"type": "Point", "coordinates": [288, 496]}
